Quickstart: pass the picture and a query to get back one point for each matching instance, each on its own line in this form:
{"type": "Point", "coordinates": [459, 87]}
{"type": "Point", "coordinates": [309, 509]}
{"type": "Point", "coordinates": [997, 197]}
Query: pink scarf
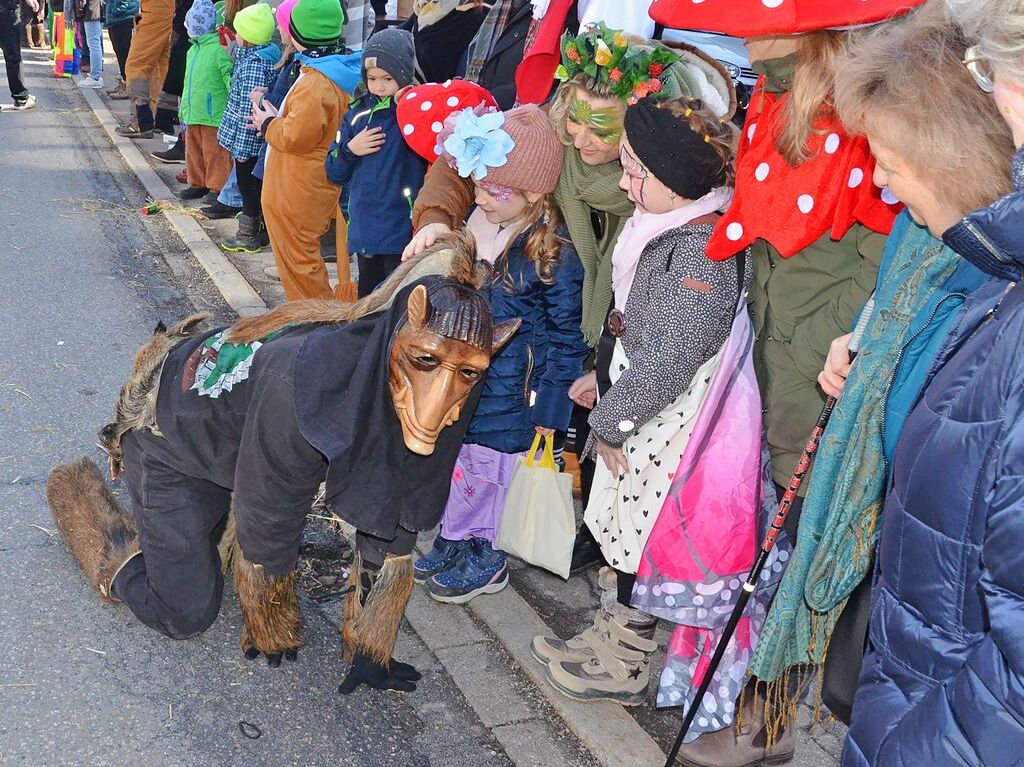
{"type": "Point", "coordinates": [491, 240]}
{"type": "Point", "coordinates": [642, 227]}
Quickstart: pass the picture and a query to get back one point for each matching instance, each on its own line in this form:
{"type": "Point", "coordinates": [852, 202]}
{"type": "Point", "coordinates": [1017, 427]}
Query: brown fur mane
{"type": "Point", "coordinates": [326, 311]}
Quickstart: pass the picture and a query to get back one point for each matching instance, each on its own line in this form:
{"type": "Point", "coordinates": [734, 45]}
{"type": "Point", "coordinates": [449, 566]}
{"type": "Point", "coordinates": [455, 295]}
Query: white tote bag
{"type": "Point", "coordinates": [539, 522]}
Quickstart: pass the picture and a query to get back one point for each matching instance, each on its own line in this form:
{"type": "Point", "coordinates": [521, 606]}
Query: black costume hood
{"type": "Point", "coordinates": [343, 408]}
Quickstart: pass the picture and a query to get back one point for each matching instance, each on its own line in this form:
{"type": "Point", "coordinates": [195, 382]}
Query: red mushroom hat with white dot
{"type": "Point", "coordinates": [753, 18]}
{"type": "Point", "coordinates": [422, 110]}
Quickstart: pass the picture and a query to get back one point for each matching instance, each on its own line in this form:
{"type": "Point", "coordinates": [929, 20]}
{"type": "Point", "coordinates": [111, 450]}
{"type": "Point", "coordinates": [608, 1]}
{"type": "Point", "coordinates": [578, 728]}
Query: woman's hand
{"type": "Point", "coordinates": [367, 141]}
{"type": "Point", "coordinates": [837, 367]}
{"type": "Point", "coordinates": [584, 390]}
{"type": "Point", "coordinates": [423, 239]}
{"type": "Point", "coordinates": [613, 457]}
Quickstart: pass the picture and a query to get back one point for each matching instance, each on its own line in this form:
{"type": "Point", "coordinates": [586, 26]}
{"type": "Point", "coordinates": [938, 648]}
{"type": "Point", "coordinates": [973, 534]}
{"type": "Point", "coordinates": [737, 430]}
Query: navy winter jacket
{"type": "Point", "coordinates": [545, 356]}
{"type": "Point", "coordinates": [379, 212]}
{"type": "Point", "coordinates": [286, 77]}
{"type": "Point", "coordinates": [943, 679]}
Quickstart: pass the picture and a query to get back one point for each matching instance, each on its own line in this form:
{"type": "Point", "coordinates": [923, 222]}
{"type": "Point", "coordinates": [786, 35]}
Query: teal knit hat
{"type": "Point", "coordinates": [255, 24]}
{"type": "Point", "coordinates": [316, 22]}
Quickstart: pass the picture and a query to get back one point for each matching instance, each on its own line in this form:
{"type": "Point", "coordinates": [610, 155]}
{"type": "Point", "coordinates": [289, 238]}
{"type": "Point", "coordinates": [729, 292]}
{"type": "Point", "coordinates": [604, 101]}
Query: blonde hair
{"type": "Point", "coordinates": [723, 136]}
{"type": "Point", "coordinates": [810, 98]}
{"type": "Point", "coordinates": [543, 243]}
{"type": "Point", "coordinates": [286, 54]}
{"type": "Point", "coordinates": [906, 84]}
{"type": "Point", "coordinates": [567, 93]}
{"type": "Point", "coordinates": [997, 27]}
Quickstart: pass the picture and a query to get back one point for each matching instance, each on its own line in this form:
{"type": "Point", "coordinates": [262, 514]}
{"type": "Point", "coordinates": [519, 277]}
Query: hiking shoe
{"type": "Point", "coordinates": [441, 557]}
{"type": "Point", "coordinates": [480, 569]}
{"type": "Point", "coordinates": [218, 210]}
{"type": "Point", "coordinates": [192, 193]}
{"type": "Point", "coordinates": [119, 92]}
{"type": "Point", "coordinates": [742, 744]}
{"type": "Point", "coordinates": [133, 131]}
{"type": "Point", "coordinates": [247, 240]}
{"type": "Point", "coordinates": [176, 154]}
{"type": "Point", "coordinates": [20, 105]}
{"type": "Point", "coordinates": [90, 82]}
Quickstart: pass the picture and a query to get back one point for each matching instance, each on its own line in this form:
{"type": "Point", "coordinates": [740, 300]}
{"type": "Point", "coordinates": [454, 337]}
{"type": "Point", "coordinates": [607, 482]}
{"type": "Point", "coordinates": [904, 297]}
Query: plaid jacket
{"type": "Point", "coordinates": [254, 68]}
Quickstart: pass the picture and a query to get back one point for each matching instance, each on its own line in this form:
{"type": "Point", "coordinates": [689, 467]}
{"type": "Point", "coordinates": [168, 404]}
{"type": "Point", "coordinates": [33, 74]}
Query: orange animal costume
{"type": "Point", "coordinates": [298, 200]}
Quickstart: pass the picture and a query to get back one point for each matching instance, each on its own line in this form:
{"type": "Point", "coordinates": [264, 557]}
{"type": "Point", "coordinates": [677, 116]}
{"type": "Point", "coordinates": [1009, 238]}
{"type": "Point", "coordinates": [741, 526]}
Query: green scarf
{"type": "Point", "coordinates": [583, 189]}
{"type": "Point", "coordinates": [841, 518]}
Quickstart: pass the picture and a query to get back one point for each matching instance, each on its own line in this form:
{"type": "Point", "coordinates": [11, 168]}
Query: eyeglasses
{"type": "Point", "coordinates": [980, 69]}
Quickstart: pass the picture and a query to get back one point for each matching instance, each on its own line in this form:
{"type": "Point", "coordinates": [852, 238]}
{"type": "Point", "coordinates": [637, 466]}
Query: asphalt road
{"type": "Point", "coordinates": [84, 280]}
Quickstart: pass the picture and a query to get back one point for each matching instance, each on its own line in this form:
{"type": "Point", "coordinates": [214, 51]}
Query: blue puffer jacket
{"type": "Point", "coordinates": [545, 356]}
{"type": "Point", "coordinates": [379, 211]}
{"type": "Point", "coordinates": [943, 680]}
{"type": "Point", "coordinates": [120, 11]}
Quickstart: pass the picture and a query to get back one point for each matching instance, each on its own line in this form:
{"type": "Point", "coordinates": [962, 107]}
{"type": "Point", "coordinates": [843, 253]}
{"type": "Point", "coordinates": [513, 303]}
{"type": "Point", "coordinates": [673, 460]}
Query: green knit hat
{"type": "Point", "coordinates": [316, 22]}
{"type": "Point", "coordinates": [255, 24]}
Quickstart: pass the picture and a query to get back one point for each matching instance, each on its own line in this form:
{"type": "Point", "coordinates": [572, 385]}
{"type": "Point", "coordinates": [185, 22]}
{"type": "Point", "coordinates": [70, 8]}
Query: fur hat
{"type": "Point", "coordinates": [316, 22]}
{"type": "Point", "coordinates": [255, 24]}
{"type": "Point", "coordinates": [394, 51]}
{"type": "Point", "coordinates": [201, 18]}
{"type": "Point", "coordinates": [518, 149]}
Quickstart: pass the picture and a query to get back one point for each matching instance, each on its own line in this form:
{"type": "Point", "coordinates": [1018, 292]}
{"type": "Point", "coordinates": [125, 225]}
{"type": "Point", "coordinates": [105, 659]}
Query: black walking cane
{"type": "Point", "coordinates": [769, 542]}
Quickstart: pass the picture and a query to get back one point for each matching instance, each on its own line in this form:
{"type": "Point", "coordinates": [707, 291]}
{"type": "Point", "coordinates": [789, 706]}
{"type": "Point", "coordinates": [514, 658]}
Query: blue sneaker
{"type": "Point", "coordinates": [479, 570]}
{"type": "Point", "coordinates": [438, 559]}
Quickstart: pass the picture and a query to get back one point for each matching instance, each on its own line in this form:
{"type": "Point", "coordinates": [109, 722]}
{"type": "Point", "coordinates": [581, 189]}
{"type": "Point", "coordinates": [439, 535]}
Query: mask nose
{"type": "Point", "coordinates": [434, 402]}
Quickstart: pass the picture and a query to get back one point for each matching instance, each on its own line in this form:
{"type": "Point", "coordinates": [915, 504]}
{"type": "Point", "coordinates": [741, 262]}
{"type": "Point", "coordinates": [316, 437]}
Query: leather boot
{"type": "Point", "coordinates": [745, 746]}
{"type": "Point", "coordinates": [38, 34]}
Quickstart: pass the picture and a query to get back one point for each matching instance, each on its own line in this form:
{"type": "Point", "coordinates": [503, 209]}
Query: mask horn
{"type": "Point", "coordinates": [419, 308]}
{"type": "Point", "coordinates": [503, 333]}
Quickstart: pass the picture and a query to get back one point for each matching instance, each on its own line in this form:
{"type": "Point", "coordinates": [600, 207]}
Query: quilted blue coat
{"type": "Point", "coordinates": [528, 381]}
{"type": "Point", "coordinates": [943, 679]}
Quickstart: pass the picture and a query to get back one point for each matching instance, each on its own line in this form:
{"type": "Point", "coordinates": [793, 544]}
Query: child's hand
{"type": "Point", "coordinates": [584, 391]}
{"type": "Point", "coordinates": [260, 113]}
{"type": "Point", "coordinates": [613, 458]}
{"type": "Point", "coordinates": [544, 431]}
{"type": "Point", "coordinates": [423, 239]}
{"type": "Point", "coordinates": [257, 96]}
{"type": "Point", "coordinates": [367, 141]}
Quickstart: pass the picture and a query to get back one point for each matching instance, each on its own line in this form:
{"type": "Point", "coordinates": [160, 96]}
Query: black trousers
{"type": "Point", "coordinates": [10, 44]}
{"type": "Point", "coordinates": [373, 270]}
{"type": "Point", "coordinates": [175, 586]}
{"type": "Point", "coordinates": [250, 187]}
{"type": "Point", "coordinates": [121, 39]}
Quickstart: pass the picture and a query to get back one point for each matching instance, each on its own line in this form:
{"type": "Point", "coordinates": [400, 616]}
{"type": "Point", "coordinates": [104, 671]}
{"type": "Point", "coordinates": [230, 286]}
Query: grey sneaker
{"type": "Point", "coordinates": [20, 105]}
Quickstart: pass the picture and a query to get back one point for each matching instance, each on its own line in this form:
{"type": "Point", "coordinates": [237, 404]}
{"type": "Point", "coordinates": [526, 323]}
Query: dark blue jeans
{"type": "Point", "coordinates": [10, 44]}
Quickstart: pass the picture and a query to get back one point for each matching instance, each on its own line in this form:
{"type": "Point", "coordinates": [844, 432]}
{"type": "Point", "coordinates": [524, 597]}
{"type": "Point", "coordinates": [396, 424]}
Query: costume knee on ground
{"type": "Point", "coordinates": [208, 424]}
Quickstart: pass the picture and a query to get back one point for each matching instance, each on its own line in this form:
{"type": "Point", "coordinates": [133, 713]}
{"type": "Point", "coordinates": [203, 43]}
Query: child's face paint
{"type": "Point", "coordinates": [500, 204]}
{"type": "Point", "coordinates": [642, 187]}
{"type": "Point", "coordinates": [380, 83]}
{"type": "Point", "coordinates": [595, 126]}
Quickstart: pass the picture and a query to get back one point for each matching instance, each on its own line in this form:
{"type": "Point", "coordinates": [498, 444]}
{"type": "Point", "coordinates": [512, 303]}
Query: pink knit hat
{"type": "Point", "coordinates": [518, 149]}
{"type": "Point", "coordinates": [284, 13]}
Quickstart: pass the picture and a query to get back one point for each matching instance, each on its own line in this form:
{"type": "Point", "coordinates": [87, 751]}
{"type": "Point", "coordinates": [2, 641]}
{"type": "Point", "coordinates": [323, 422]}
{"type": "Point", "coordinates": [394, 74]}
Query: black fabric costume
{"type": "Point", "coordinates": [315, 406]}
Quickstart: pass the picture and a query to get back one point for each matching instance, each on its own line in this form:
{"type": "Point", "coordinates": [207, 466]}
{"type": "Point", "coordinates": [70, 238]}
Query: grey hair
{"type": "Point", "coordinates": [997, 28]}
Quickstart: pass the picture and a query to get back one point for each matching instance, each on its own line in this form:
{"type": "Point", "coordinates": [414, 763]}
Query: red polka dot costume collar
{"type": "Point", "coordinates": [752, 18]}
{"type": "Point", "coordinates": [793, 207]}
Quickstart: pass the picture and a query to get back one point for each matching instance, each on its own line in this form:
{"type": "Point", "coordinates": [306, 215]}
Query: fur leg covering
{"type": "Point", "coordinates": [272, 620]}
{"type": "Point", "coordinates": [372, 619]}
{"type": "Point", "coordinates": [99, 533]}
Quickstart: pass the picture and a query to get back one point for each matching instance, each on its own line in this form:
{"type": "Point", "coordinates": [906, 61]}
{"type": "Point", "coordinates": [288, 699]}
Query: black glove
{"type": "Point", "coordinates": [398, 676]}
{"type": "Point", "coordinates": [273, 659]}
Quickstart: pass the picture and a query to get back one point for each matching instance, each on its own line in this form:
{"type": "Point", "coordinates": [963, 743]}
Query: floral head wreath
{"type": "Point", "coordinates": [605, 55]}
{"type": "Point", "coordinates": [473, 141]}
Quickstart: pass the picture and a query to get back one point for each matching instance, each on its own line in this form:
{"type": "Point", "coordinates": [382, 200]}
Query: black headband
{"type": "Point", "coordinates": [677, 156]}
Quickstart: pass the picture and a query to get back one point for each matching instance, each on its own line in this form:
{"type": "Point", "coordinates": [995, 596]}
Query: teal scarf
{"type": "Point", "coordinates": [841, 517]}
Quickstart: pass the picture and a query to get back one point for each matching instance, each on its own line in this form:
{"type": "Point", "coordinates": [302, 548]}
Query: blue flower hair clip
{"type": "Point", "coordinates": [478, 143]}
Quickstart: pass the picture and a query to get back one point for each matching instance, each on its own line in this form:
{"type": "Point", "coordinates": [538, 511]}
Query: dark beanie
{"type": "Point", "coordinates": [394, 51]}
{"type": "Point", "coordinates": [672, 151]}
{"type": "Point", "coordinates": [316, 23]}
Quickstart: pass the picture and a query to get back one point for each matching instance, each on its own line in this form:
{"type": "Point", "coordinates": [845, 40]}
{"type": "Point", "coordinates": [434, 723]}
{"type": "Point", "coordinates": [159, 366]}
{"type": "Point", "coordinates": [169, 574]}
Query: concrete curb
{"type": "Point", "coordinates": [235, 289]}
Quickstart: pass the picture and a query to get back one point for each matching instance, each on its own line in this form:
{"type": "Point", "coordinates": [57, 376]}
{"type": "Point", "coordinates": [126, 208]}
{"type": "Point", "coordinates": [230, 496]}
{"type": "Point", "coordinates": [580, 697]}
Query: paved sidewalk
{"type": "Point", "coordinates": [484, 646]}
